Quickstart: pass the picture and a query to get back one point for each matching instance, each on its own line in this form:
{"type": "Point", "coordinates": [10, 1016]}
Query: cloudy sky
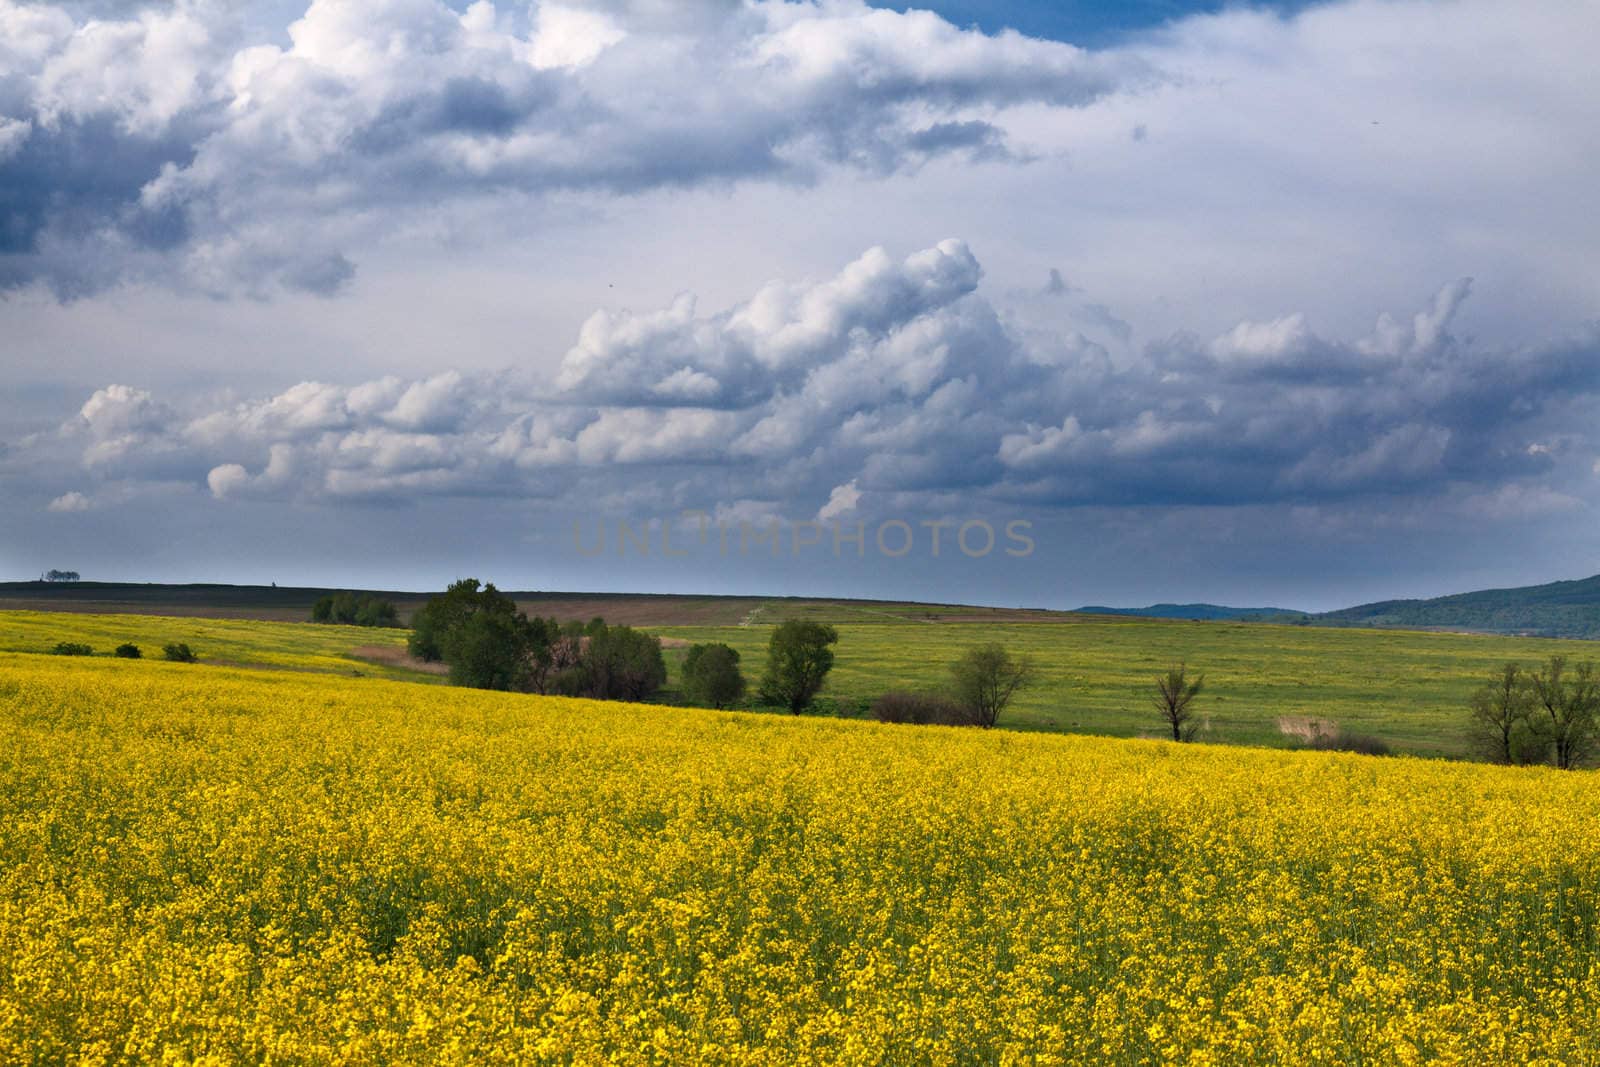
{"type": "Point", "coordinates": [1294, 304]}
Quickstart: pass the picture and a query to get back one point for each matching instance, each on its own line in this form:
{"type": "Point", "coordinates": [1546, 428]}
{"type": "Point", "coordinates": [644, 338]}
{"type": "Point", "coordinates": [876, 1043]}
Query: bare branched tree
{"type": "Point", "coordinates": [1567, 711]}
{"type": "Point", "coordinates": [986, 678]}
{"type": "Point", "coordinates": [1175, 697]}
{"type": "Point", "coordinates": [1502, 712]}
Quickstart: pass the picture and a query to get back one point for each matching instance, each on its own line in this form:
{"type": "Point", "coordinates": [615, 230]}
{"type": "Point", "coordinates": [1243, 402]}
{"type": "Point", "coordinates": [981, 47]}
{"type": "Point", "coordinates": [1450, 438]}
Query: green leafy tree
{"type": "Point", "coordinates": [348, 609]}
{"type": "Point", "coordinates": [179, 652]}
{"type": "Point", "coordinates": [490, 650]}
{"type": "Point", "coordinates": [128, 651]}
{"type": "Point", "coordinates": [486, 642]}
{"type": "Point", "coordinates": [986, 678]}
{"type": "Point", "coordinates": [375, 611]}
{"type": "Point", "coordinates": [614, 663]}
{"type": "Point", "coordinates": [441, 616]}
{"type": "Point", "coordinates": [711, 676]}
{"type": "Point", "coordinates": [799, 658]}
{"type": "Point", "coordinates": [1175, 695]}
{"type": "Point", "coordinates": [72, 648]}
{"type": "Point", "coordinates": [1502, 716]}
{"type": "Point", "coordinates": [1566, 715]}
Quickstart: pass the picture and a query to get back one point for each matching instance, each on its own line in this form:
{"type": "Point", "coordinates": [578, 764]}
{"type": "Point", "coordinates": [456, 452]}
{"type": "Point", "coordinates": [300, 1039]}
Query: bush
{"type": "Point", "coordinates": [922, 709]}
{"type": "Point", "coordinates": [179, 653]}
{"type": "Point", "coordinates": [72, 648]}
{"type": "Point", "coordinates": [127, 652]}
{"type": "Point", "coordinates": [1346, 741]}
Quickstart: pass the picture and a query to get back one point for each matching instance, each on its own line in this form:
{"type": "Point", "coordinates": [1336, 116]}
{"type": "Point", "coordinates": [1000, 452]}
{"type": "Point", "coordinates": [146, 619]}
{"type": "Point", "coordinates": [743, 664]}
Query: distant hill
{"type": "Point", "coordinates": [1558, 609]}
{"type": "Point", "coordinates": [1204, 612]}
{"type": "Point", "coordinates": [293, 604]}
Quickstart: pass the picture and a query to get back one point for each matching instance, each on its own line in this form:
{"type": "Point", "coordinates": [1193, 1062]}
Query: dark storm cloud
{"type": "Point", "coordinates": [187, 145]}
{"type": "Point", "coordinates": [70, 184]}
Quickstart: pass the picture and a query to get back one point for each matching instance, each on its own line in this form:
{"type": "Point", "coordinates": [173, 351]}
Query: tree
{"type": "Point", "coordinates": [490, 650]}
{"type": "Point", "coordinates": [1174, 699]}
{"type": "Point", "coordinates": [486, 642]}
{"type": "Point", "coordinates": [179, 653]}
{"type": "Point", "coordinates": [61, 576]}
{"type": "Point", "coordinates": [798, 661]}
{"type": "Point", "coordinates": [72, 648]}
{"type": "Point", "coordinates": [986, 678]}
{"type": "Point", "coordinates": [348, 609]}
{"type": "Point", "coordinates": [375, 611]}
{"type": "Point", "coordinates": [623, 663]}
{"type": "Point", "coordinates": [711, 676]}
{"type": "Point", "coordinates": [432, 627]}
{"type": "Point", "coordinates": [1566, 712]}
{"type": "Point", "coordinates": [1502, 711]}
{"type": "Point", "coordinates": [128, 651]}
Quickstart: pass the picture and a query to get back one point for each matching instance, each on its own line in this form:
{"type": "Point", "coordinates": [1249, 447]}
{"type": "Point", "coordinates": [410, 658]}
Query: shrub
{"type": "Point", "coordinates": [127, 652]}
{"type": "Point", "coordinates": [72, 648]}
{"type": "Point", "coordinates": [1346, 741]}
{"type": "Point", "coordinates": [922, 709]}
{"type": "Point", "coordinates": [179, 653]}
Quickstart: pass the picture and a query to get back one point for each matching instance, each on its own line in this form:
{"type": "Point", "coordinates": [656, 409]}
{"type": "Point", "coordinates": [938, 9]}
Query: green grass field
{"type": "Point", "coordinates": [218, 642]}
{"type": "Point", "coordinates": [1095, 673]}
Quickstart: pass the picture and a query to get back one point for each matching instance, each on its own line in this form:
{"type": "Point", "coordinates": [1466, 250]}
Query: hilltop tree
{"type": "Point", "coordinates": [1174, 699]}
{"type": "Point", "coordinates": [1566, 715]}
{"type": "Point", "coordinates": [798, 661]}
{"type": "Point", "coordinates": [711, 676]}
{"type": "Point", "coordinates": [986, 678]}
{"type": "Point", "coordinates": [1502, 711]}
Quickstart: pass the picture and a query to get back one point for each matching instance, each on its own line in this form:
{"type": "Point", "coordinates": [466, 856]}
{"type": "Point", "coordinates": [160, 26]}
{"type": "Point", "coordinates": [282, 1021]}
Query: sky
{"type": "Point", "coordinates": [1010, 303]}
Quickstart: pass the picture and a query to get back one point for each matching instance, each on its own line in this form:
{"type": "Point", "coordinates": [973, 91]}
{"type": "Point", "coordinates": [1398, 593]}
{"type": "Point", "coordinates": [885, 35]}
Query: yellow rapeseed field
{"type": "Point", "coordinates": [200, 864]}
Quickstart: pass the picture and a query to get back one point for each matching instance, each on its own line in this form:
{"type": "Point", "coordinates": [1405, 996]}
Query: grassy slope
{"type": "Point", "coordinates": [1096, 672]}
{"type": "Point", "coordinates": [228, 642]}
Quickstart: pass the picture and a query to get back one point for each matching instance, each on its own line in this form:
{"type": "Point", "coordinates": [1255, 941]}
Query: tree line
{"type": "Point", "coordinates": [1549, 714]}
{"type": "Point", "coordinates": [351, 609]}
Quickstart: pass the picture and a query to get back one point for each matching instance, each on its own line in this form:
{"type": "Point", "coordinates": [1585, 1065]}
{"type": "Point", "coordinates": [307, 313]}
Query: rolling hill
{"type": "Point", "coordinates": [1556, 609]}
